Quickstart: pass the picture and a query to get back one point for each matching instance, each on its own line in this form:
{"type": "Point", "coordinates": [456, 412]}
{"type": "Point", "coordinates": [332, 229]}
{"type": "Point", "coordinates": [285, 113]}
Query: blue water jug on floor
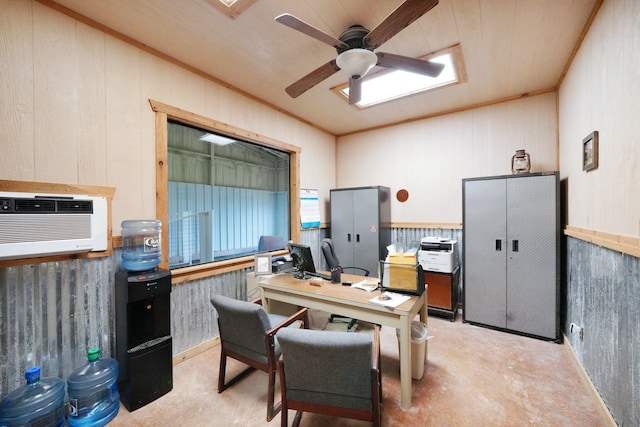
{"type": "Point", "coordinates": [93, 391]}
{"type": "Point", "coordinates": [40, 402]}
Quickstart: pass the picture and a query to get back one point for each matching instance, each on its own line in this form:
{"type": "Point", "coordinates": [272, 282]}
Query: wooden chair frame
{"type": "Point", "coordinates": [271, 366]}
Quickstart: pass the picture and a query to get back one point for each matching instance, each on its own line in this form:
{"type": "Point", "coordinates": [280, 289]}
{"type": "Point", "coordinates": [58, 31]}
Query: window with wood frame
{"type": "Point", "coordinates": [220, 189]}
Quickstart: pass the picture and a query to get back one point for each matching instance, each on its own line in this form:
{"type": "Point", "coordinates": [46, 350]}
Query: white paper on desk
{"type": "Point", "coordinates": [396, 300]}
{"type": "Point", "coordinates": [368, 285]}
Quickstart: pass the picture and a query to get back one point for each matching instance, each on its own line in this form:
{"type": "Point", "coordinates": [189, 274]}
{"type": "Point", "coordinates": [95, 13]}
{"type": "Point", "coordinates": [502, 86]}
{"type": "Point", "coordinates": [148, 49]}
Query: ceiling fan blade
{"type": "Point", "coordinates": [406, 63]}
{"type": "Point", "coordinates": [299, 25]}
{"type": "Point", "coordinates": [355, 90]}
{"type": "Point", "coordinates": [398, 20]}
{"type": "Point", "coordinates": [313, 78]}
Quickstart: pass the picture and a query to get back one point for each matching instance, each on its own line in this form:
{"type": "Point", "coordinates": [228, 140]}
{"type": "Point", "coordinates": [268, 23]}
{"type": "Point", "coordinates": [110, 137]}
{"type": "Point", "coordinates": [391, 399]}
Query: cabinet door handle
{"type": "Point", "coordinates": [357, 238]}
{"type": "Point", "coordinates": [348, 237]}
{"type": "Point", "coordinates": [514, 246]}
{"type": "Point", "coordinates": [498, 245]}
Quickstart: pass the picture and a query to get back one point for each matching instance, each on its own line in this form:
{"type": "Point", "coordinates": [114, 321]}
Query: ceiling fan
{"type": "Point", "coordinates": [355, 48]}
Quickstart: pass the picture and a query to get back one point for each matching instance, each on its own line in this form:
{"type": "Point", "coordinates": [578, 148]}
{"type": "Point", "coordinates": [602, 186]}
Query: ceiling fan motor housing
{"type": "Point", "coordinates": [354, 37]}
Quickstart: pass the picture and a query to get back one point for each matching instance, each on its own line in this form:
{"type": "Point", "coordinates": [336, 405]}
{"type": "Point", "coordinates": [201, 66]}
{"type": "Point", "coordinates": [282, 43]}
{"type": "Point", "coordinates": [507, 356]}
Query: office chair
{"type": "Point", "coordinates": [332, 373]}
{"type": "Point", "coordinates": [333, 263]}
{"type": "Point", "coordinates": [270, 243]}
{"type": "Point", "coordinates": [332, 259]}
{"type": "Point", "coordinates": [247, 334]}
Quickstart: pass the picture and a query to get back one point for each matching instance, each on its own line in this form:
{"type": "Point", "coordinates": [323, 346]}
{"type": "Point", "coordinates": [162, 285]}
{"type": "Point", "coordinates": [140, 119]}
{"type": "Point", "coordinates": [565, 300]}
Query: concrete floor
{"type": "Point", "coordinates": [474, 377]}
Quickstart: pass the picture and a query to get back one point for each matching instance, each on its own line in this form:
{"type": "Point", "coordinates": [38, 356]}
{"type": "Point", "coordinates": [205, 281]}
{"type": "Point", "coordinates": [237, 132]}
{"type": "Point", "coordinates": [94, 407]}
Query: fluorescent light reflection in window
{"type": "Point", "coordinates": [386, 86]}
{"type": "Point", "coordinates": [216, 139]}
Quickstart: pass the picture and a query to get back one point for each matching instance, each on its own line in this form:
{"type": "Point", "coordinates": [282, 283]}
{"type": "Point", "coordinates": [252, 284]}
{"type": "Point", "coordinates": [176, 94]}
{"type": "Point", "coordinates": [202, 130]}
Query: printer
{"type": "Point", "coordinates": [438, 254]}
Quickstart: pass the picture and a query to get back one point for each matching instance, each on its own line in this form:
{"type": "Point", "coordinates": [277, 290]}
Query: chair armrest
{"type": "Point", "coordinates": [375, 353]}
{"type": "Point", "coordinates": [301, 315]}
{"type": "Point", "coordinates": [376, 378]}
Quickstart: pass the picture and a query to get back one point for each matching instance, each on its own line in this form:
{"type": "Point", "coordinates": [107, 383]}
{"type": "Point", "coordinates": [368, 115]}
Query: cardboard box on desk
{"type": "Point", "coordinates": [401, 273]}
{"type": "Point", "coordinates": [402, 258]}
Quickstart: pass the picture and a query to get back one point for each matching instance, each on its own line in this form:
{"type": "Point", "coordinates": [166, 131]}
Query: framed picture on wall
{"type": "Point", "coordinates": [262, 264]}
{"type": "Point", "coordinates": [590, 151]}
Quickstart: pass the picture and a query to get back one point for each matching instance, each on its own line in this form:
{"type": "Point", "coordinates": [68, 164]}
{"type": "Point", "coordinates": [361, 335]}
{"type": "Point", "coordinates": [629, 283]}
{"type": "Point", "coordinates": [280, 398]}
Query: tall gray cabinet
{"type": "Point", "coordinates": [511, 247]}
{"type": "Point", "coordinates": [360, 225]}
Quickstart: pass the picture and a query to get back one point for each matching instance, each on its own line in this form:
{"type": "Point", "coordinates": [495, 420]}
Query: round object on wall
{"type": "Point", "coordinates": [402, 195]}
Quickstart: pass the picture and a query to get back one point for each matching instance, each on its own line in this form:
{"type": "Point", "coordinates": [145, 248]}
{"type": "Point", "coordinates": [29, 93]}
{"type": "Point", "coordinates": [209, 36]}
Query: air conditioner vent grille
{"type": "Point", "coordinates": [40, 205]}
{"type": "Point", "coordinates": [34, 205]}
{"type": "Point", "coordinates": [84, 206]}
{"type": "Point", "coordinates": [42, 228]}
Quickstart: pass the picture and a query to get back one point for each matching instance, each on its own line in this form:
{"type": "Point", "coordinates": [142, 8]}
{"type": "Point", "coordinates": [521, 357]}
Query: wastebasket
{"type": "Point", "coordinates": [418, 348]}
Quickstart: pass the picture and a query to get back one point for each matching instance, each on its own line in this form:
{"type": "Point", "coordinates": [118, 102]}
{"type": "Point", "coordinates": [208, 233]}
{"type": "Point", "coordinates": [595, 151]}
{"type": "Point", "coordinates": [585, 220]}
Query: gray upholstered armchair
{"type": "Point", "coordinates": [247, 334]}
{"type": "Point", "coordinates": [332, 373]}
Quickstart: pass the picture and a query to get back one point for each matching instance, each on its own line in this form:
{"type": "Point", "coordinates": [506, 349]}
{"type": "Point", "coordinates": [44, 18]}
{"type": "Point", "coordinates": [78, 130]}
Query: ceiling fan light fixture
{"type": "Point", "coordinates": [356, 62]}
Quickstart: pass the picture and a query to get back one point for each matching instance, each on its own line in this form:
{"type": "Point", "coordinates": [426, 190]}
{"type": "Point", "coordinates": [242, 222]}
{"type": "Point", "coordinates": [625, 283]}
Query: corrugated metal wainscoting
{"type": "Point", "coordinates": [603, 297]}
{"type": "Point", "coordinates": [193, 318]}
{"type": "Point", "coordinates": [50, 314]}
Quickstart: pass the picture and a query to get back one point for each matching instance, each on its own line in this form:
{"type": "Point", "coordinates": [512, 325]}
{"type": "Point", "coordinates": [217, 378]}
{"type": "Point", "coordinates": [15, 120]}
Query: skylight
{"type": "Point", "coordinates": [231, 8]}
{"type": "Point", "coordinates": [393, 84]}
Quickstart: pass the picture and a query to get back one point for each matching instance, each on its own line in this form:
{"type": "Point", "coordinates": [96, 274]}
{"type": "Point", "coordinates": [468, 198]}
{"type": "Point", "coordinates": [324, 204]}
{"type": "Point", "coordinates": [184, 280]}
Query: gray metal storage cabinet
{"type": "Point", "coordinates": [361, 225]}
{"type": "Point", "coordinates": [511, 246]}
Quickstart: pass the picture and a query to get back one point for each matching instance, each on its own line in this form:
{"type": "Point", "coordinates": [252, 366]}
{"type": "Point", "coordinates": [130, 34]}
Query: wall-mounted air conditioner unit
{"type": "Point", "coordinates": [33, 225]}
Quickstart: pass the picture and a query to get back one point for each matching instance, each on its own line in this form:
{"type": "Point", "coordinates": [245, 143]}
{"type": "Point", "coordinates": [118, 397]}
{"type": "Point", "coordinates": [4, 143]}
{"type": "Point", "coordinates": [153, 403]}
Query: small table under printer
{"type": "Point", "coordinates": [439, 260]}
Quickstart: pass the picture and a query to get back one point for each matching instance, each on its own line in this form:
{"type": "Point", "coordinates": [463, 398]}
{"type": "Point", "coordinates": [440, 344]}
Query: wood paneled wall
{"type": "Point", "coordinates": [75, 109]}
{"type": "Point", "coordinates": [430, 158]}
{"type": "Point", "coordinates": [601, 91]}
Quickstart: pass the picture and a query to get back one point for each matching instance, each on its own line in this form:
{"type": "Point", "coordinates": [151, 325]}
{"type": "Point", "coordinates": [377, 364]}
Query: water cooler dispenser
{"type": "Point", "coordinates": [143, 336]}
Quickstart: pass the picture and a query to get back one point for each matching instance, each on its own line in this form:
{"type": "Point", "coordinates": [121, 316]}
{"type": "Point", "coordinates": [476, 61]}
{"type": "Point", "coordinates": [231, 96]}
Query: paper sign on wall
{"type": "Point", "coordinates": [309, 208]}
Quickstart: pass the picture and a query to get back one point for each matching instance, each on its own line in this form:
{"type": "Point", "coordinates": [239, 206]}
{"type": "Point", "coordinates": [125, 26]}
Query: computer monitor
{"type": "Point", "coordinates": [302, 257]}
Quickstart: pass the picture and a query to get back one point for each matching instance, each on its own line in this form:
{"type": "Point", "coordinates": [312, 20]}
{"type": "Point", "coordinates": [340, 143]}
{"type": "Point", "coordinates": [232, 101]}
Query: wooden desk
{"type": "Point", "coordinates": [352, 302]}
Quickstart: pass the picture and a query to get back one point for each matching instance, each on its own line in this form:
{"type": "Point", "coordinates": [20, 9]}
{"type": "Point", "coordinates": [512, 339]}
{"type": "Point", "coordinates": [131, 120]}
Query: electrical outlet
{"type": "Point", "coordinates": [575, 329]}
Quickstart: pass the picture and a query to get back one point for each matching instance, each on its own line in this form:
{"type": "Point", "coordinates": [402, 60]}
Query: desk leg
{"type": "Point", "coordinates": [265, 302]}
{"type": "Point", "coordinates": [405, 363]}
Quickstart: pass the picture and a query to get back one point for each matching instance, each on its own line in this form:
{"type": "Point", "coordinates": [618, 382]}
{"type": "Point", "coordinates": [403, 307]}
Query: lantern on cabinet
{"type": "Point", "coordinates": [520, 162]}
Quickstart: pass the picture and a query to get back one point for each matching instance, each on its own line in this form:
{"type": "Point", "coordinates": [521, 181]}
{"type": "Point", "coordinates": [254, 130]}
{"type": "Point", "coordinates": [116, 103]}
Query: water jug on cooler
{"type": "Point", "coordinates": [93, 391]}
{"type": "Point", "coordinates": [40, 402]}
{"type": "Point", "coordinates": [141, 244]}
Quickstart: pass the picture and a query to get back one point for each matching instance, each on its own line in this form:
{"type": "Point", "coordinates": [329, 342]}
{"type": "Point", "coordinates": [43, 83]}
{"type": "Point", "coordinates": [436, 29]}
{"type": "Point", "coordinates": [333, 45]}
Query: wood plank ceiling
{"type": "Point", "coordinates": [510, 48]}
